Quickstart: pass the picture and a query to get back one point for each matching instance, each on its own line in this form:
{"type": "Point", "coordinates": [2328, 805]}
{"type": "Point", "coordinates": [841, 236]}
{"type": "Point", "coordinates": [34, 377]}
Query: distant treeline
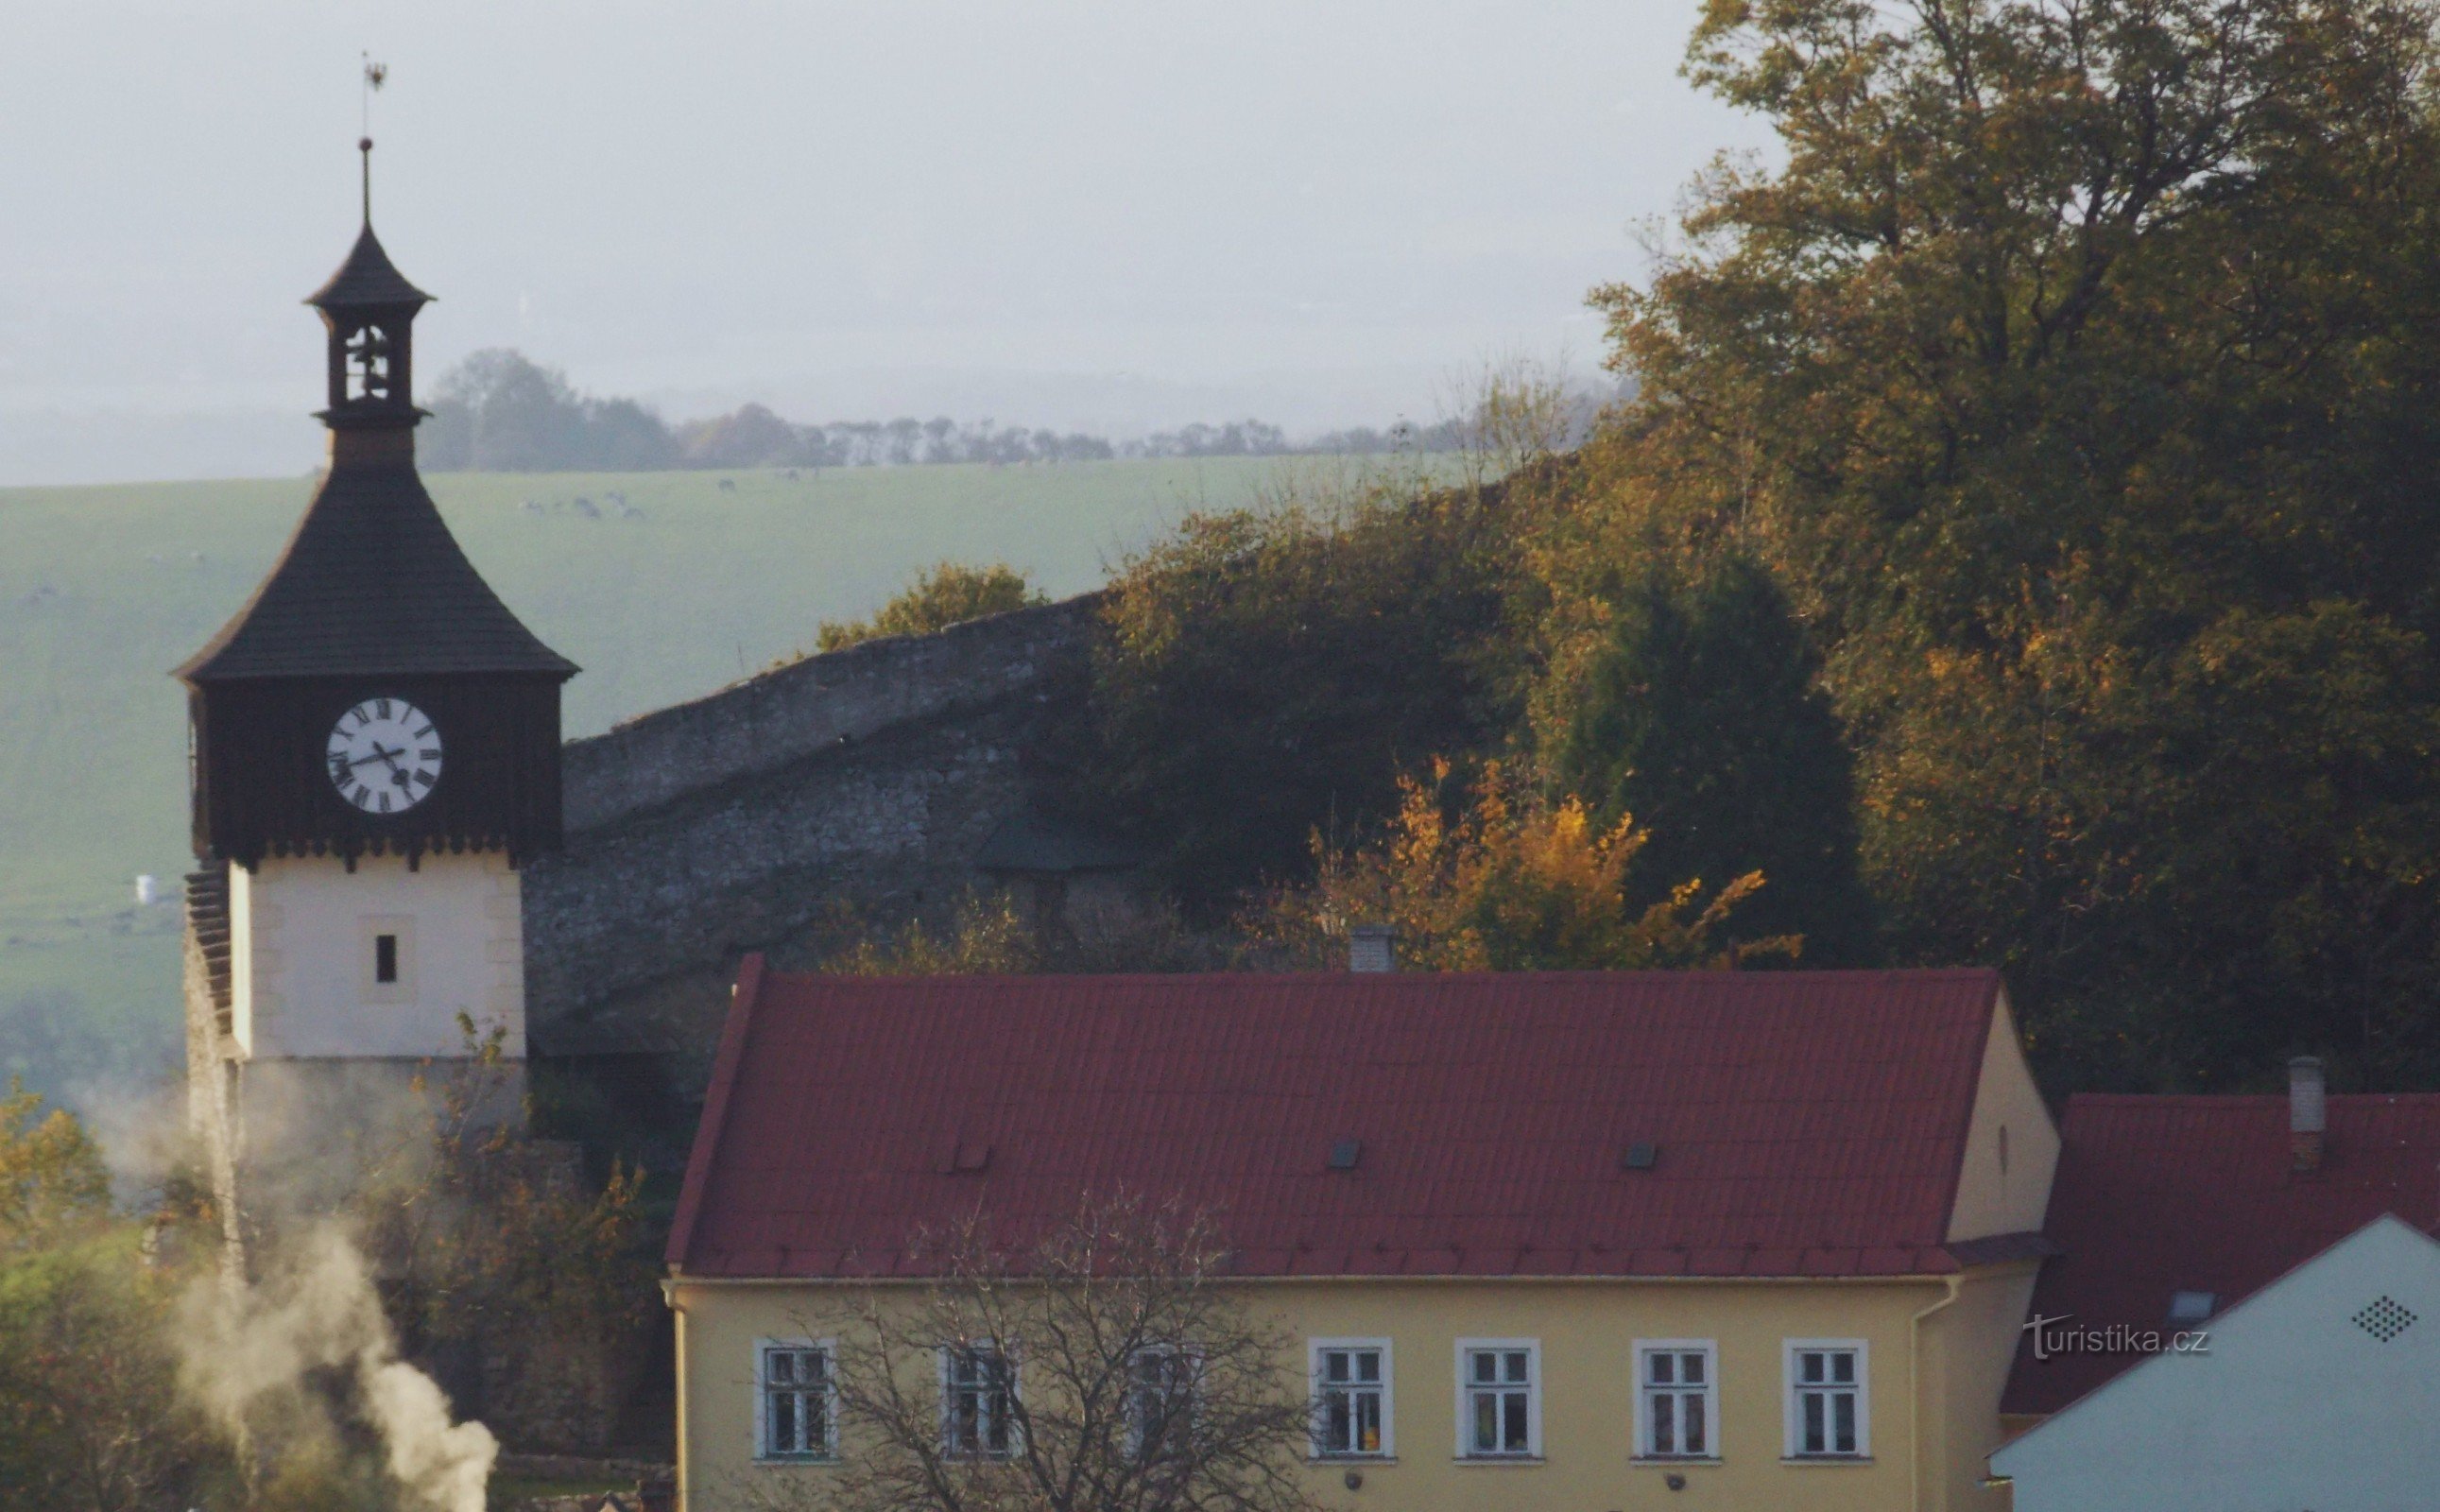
{"type": "Point", "coordinates": [499, 412]}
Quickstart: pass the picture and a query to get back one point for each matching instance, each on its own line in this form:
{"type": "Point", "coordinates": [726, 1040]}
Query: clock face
{"type": "Point", "coordinates": [384, 756]}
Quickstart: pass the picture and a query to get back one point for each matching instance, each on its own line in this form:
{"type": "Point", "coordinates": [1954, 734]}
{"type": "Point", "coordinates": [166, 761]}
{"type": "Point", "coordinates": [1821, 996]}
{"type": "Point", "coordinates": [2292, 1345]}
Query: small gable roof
{"type": "Point", "coordinates": [372, 584]}
{"type": "Point", "coordinates": [2162, 1194]}
{"type": "Point", "coordinates": [1800, 1124]}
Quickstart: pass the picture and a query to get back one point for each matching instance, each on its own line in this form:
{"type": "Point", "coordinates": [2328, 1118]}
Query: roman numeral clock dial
{"type": "Point", "coordinates": [384, 756]}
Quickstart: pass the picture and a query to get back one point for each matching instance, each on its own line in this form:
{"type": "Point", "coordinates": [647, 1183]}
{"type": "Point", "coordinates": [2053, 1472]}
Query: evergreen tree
{"type": "Point", "coordinates": [1700, 719]}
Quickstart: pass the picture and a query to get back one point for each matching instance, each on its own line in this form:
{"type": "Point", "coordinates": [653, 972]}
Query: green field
{"type": "Point", "coordinates": [669, 587]}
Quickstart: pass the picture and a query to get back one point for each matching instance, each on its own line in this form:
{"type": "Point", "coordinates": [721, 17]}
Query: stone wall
{"type": "Point", "coordinates": [866, 779]}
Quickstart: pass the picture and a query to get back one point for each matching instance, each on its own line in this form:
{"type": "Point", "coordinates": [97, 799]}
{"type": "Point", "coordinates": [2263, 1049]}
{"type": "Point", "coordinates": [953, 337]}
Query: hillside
{"type": "Point", "coordinates": [661, 586]}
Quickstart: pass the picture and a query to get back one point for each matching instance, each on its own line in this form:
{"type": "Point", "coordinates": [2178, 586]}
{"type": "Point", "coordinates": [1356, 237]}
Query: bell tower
{"type": "Point", "coordinates": [374, 749]}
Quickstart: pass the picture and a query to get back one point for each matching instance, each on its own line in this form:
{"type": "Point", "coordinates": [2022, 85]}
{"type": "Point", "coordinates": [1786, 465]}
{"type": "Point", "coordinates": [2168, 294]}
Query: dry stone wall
{"type": "Point", "coordinates": [866, 779]}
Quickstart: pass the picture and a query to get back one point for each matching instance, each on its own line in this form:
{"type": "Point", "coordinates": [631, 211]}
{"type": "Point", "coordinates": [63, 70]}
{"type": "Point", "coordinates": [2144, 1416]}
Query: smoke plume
{"type": "Point", "coordinates": [251, 1354]}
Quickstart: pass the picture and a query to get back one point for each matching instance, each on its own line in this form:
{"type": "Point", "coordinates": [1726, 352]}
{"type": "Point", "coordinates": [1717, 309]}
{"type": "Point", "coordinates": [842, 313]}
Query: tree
{"type": "Point", "coordinates": [947, 594]}
{"type": "Point", "coordinates": [1701, 720]}
{"type": "Point", "coordinates": [1101, 1365]}
{"type": "Point", "coordinates": [91, 1416]}
{"type": "Point", "coordinates": [496, 1257]}
{"type": "Point", "coordinates": [1268, 672]}
{"type": "Point", "coordinates": [52, 1177]}
{"type": "Point", "coordinates": [2074, 378]}
{"type": "Point", "coordinates": [497, 411]}
{"type": "Point", "coordinates": [1515, 883]}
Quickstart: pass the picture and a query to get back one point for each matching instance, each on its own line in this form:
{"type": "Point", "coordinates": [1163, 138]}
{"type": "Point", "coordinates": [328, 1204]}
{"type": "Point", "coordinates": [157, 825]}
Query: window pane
{"type": "Point", "coordinates": [1808, 1367]}
{"type": "Point", "coordinates": [1842, 1368]}
{"type": "Point", "coordinates": [1694, 1424]}
{"type": "Point", "coordinates": [1662, 1368]}
{"type": "Point", "coordinates": [780, 1367]}
{"type": "Point", "coordinates": [1664, 1423]}
{"type": "Point", "coordinates": [784, 1438]}
{"type": "Point", "coordinates": [1486, 1365]}
{"type": "Point", "coordinates": [1516, 1359]}
{"type": "Point", "coordinates": [1368, 1410]}
{"type": "Point", "coordinates": [1337, 1432]}
{"type": "Point", "coordinates": [1368, 1364]}
{"type": "Point", "coordinates": [1844, 1416]}
{"type": "Point", "coordinates": [1486, 1423]}
{"type": "Point", "coordinates": [1813, 1442]}
{"type": "Point", "coordinates": [1515, 1442]}
{"type": "Point", "coordinates": [1692, 1372]}
{"type": "Point", "coordinates": [1333, 1365]}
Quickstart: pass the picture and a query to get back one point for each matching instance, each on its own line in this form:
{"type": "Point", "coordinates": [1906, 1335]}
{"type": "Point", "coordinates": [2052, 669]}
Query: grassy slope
{"type": "Point", "coordinates": [102, 589]}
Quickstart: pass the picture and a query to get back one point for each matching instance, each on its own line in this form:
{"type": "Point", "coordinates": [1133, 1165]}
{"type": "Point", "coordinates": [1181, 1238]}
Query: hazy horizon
{"type": "Point", "coordinates": [1081, 215]}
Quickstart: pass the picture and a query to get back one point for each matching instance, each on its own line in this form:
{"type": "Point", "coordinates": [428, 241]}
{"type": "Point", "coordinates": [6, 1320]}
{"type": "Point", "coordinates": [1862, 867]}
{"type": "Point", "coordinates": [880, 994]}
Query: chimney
{"type": "Point", "coordinates": [2307, 1114]}
{"type": "Point", "coordinates": [1371, 947]}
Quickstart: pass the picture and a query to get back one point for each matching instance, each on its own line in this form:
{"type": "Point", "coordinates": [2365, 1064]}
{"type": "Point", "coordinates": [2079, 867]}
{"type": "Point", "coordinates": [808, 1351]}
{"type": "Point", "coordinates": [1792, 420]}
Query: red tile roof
{"type": "Point", "coordinates": [1807, 1123]}
{"type": "Point", "coordinates": [2156, 1195]}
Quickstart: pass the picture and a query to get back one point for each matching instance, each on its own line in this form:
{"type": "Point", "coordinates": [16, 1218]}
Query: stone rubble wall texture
{"type": "Point", "coordinates": [864, 779]}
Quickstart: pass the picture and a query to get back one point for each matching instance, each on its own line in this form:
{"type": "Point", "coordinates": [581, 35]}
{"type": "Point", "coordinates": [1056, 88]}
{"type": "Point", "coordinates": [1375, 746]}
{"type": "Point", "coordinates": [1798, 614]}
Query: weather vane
{"type": "Point", "coordinates": [375, 75]}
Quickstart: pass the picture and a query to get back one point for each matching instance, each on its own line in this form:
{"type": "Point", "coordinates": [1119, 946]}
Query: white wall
{"type": "Point", "coordinates": [2294, 1406]}
{"type": "Point", "coordinates": [301, 969]}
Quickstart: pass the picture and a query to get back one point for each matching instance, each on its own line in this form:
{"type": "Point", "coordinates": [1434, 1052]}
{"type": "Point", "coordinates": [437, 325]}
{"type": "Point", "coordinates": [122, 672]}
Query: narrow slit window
{"type": "Point", "coordinates": [385, 958]}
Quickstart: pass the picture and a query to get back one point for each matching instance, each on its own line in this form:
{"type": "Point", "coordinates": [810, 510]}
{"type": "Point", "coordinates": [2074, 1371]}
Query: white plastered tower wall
{"type": "Point", "coordinates": [326, 1071]}
{"type": "Point", "coordinates": [304, 952]}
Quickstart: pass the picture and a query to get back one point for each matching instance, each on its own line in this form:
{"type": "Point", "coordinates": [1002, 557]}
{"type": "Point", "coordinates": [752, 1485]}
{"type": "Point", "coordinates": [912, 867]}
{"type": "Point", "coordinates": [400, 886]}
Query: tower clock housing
{"type": "Point", "coordinates": [375, 748]}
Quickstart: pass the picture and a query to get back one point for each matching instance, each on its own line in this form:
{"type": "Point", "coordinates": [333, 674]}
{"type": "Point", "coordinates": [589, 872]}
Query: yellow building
{"type": "Point", "coordinates": [1568, 1240]}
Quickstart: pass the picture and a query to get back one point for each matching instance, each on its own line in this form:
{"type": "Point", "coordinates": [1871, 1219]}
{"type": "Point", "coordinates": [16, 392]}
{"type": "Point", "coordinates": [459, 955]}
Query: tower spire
{"type": "Point", "coordinates": [376, 75]}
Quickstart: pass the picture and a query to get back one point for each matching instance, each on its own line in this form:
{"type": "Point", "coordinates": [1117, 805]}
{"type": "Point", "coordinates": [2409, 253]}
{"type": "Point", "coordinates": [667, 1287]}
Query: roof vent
{"type": "Point", "coordinates": [955, 1155]}
{"type": "Point", "coordinates": [1642, 1156]}
{"type": "Point", "coordinates": [1345, 1153]}
{"type": "Point", "coordinates": [2192, 1307]}
{"type": "Point", "coordinates": [1371, 947]}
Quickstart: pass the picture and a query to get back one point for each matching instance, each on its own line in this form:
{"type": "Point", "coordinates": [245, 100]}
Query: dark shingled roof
{"type": "Point", "coordinates": [1806, 1124]}
{"type": "Point", "coordinates": [366, 278]}
{"type": "Point", "coordinates": [373, 583]}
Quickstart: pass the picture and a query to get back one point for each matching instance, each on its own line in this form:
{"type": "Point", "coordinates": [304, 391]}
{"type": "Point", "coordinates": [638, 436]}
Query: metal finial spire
{"type": "Point", "coordinates": [375, 75]}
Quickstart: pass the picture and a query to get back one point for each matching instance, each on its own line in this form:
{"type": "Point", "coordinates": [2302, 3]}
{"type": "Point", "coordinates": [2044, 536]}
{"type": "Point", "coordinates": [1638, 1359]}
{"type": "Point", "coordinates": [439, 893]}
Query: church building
{"type": "Point", "coordinates": [375, 751]}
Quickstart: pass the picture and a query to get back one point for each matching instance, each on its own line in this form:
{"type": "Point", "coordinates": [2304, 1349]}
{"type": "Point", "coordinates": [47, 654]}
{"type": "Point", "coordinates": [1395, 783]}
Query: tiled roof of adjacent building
{"type": "Point", "coordinates": [373, 583]}
{"type": "Point", "coordinates": [1800, 1124]}
{"type": "Point", "coordinates": [2168, 1193]}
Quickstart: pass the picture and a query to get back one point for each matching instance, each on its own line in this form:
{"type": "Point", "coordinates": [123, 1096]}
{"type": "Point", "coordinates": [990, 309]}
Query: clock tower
{"type": "Point", "coordinates": [375, 748]}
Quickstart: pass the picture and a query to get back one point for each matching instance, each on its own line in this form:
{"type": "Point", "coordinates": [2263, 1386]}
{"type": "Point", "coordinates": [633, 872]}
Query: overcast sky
{"type": "Point", "coordinates": [1064, 211]}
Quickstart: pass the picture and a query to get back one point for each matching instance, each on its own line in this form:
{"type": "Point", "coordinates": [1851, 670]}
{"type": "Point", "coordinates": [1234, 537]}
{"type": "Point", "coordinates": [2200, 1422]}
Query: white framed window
{"type": "Point", "coordinates": [1676, 1400]}
{"type": "Point", "coordinates": [978, 1401]}
{"type": "Point", "coordinates": [1829, 1399]}
{"type": "Point", "coordinates": [795, 1399]}
{"type": "Point", "coordinates": [1160, 1399]}
{"type": "Point", "coordinates": [1498, 1398]}
{"type": "Point", "coordinates": [1352, 1404]}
